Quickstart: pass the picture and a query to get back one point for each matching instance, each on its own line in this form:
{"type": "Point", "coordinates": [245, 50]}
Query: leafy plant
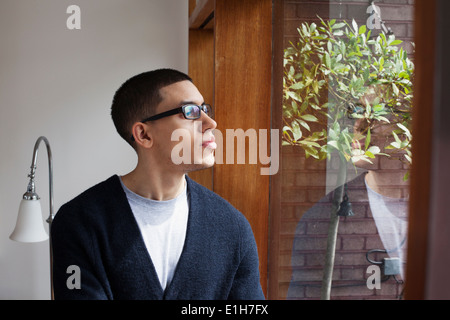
{"type": "Point", "coordinates": [337, 72]}
{"type": "Point", "coordinates": [337, 76]}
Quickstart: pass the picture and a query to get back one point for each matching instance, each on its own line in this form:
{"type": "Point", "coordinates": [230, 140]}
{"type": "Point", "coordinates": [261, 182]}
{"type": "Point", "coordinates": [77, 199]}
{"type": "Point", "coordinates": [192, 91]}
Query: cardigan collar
{"type": "Point", "coordinates": [194, 227]}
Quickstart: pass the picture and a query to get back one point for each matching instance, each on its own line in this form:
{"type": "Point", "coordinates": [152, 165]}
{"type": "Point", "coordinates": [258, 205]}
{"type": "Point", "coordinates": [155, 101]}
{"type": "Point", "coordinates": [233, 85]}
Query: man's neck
{"type": "Point", "coordinates": [389, 184]}
{"type": "Point", "coordinates": [154, 184]}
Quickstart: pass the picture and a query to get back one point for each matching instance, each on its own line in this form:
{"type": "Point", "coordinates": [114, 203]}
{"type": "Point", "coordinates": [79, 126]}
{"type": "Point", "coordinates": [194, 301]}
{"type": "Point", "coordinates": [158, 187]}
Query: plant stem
{"type": "Point", "coordinates": [333, 230]}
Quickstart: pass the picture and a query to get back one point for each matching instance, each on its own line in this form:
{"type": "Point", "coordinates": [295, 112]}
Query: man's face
{"type": "Point", "coordinates": [381, 131]}
{"type": "Point", "coordinates": [197, 135]}
{"type": "Point", "coordinates": [381, 136]}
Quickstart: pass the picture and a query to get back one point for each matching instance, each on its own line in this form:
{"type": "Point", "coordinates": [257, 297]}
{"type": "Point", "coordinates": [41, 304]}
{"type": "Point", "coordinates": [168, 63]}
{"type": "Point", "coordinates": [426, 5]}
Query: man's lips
{"type": "Point", "coordinates": [210, 143]}
{"type": "Point", "coordinates": [356, 144]}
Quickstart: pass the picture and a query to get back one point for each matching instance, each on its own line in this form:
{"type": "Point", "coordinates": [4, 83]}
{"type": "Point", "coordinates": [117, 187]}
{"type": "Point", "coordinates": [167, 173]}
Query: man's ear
{"type": "Point", "coordinates": [142, 135]}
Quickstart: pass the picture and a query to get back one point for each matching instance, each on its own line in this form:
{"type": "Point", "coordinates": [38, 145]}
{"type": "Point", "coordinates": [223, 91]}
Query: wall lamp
{"type": "Point", "coordinates": [29, 224]}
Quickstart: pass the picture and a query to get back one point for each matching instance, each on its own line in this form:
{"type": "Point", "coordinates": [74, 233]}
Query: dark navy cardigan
{"type": "Point", "coordinates": [97, 232]}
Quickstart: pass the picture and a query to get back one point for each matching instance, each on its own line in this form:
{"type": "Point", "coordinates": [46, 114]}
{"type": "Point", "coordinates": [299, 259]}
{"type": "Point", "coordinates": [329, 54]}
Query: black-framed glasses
{"type": "Point", "coordinates": [190, 111]}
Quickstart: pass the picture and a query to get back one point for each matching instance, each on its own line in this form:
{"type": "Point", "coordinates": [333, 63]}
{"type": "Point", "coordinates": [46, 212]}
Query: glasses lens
{"type": "Point", "coordinates": [191, 111]}
{"type": "Point", "coordinates": [208, 110]}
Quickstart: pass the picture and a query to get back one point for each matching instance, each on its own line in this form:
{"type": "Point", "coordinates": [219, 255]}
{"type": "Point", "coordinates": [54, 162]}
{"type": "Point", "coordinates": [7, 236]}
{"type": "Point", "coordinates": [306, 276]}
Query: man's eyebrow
{"type": "Point", "coordinates": [189, 102]}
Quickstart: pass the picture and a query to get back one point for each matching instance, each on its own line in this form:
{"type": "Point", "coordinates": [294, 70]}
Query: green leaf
{"type": "Point", "coordinates": [327, 60]}
{"type": "Point", "coordinates": [408, 158]}
{"type": "Point", "coordinates": [383, 38]}
{"type": "Point", "coordinates": [311, 152]}
{"type": "Point", "coordinates": [362, 29]}
{"type": "Point", "coordinates": [296, 131]}
{"type": "Point", "coordinates": [381, 64]}
{"type": "Point", "coordinates": [294, 106]}
{"type": "Point", "coordinates": [339, 25]}
{"type": "Point", "coordinates": [346, 139]}
{"type": "Point", "coordinates": [355, 26]}
{"type": "Point", "coordinates": [394, 145]}
{"type": "Point", "coordinates": [395, 88]}
{"type": "Point", "coordinates": [310, 143]}
{"type": "Point", "coordinates": [291, 71]}
{"type": "Point", "coordinates": [367, 142]}
{"type": "Point", "coordinates": [304, 106]}
{"type": "Point", "coordinates": [369, 154]}
{"type": "Point", "coordinates": [315, 86]}
{"type": "Point", "coordinates": [406, 176]}
{"type": "Point", "coordinates": [378, 108]}
{"type": "Point", "coordinates": [397, 139]}
{"type": "Point", "coordinates": [294, 96]}
{"type": "Point", "coordinates": [396, 42]}
{"type": "Point", "coordinates": [287, 129]}
{"type": "Point", "coordinates": [368, 111]}
{"type": "Point", "coordinates": [374, 150]}
{"type": "Point", "coordinates": [406, 130]}
{"type": "Point", "coordinates": [304, 124]}
{"type": "Point", "coordinates": [309, 117]}
{"type": "Point", "coordinates": [297, 86]}
{"type": "Point", "coordinates": [334, 144]}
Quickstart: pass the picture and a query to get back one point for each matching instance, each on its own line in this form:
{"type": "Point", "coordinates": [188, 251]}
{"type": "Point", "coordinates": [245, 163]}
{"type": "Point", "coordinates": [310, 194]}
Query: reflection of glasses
{"type": "Point", "coordinates": [359, 109]}
{"type": "Point", "coordinates": [189, 111]}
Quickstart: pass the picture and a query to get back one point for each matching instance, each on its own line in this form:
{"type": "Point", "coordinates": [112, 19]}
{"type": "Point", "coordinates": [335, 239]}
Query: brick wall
{"type": "Point", "coordinates": [303, 185]}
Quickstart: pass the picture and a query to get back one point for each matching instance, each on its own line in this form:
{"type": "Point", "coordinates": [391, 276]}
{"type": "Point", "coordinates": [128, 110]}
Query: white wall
{"type": "Point", "coordinates": [59, 83]}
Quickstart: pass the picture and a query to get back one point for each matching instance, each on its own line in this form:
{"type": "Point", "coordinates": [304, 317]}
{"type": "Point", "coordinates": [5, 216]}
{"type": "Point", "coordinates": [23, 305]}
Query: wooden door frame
{"type": "Point", "coordinates": [428, 237]}
{"type": "Point", "coordinates": [242, 100]}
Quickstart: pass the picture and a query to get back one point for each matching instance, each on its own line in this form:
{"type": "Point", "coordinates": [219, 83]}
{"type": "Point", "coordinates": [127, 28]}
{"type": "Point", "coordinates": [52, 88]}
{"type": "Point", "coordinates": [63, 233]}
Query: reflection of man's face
{"type": "Point", "coordinates": [201, 136]}
{"type": "Point", "coordinates": [381, 131]}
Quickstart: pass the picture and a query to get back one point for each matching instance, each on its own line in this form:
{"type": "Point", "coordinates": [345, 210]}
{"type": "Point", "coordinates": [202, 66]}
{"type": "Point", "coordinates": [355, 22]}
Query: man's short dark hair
{"type": "Point", "coordinates": [138, 97]}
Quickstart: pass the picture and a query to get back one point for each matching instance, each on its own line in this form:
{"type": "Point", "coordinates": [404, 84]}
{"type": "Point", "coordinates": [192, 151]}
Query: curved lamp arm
{"type": "Point", "coordinates": [31, 194]}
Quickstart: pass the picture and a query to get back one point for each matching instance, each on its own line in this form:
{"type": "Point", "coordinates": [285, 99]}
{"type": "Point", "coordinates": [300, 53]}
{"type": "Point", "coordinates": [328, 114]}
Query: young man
{"type": "Point", "coordinates": [154, 233]}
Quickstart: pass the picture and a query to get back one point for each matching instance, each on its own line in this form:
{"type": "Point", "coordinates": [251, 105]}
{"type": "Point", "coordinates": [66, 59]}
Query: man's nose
{"type": "Point", "coordinates": [208, 122]}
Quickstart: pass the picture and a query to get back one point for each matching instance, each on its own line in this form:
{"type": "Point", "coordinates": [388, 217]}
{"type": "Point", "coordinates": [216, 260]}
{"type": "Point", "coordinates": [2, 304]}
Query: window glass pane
{"type": "Point", "coordinates": [347, 94]}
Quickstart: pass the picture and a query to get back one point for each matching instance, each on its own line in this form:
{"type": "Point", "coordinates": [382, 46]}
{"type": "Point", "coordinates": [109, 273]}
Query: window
{"type": "Point", "coordinates": [340, 222]}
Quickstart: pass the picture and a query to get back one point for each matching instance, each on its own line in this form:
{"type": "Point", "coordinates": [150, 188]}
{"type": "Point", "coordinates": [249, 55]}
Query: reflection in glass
{"type": "Point", "coordinates": [347, 102]}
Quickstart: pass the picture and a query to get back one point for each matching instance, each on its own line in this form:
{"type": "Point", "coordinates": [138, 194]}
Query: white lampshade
{"type": "Point", "coordinates": [30, 224]}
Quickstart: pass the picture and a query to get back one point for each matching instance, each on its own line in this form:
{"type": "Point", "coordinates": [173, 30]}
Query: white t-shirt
{"type": "Point", "coordinates": [163, 227]}
{"type": "Point", "coordinates": [390, 215]}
